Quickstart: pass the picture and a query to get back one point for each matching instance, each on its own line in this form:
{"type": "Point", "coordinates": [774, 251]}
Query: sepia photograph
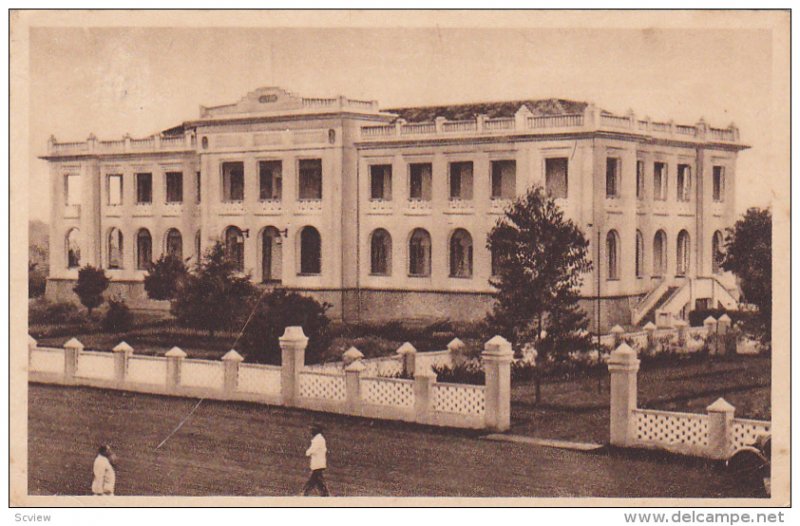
{"type": "Point", "coordinates": [514, 258]}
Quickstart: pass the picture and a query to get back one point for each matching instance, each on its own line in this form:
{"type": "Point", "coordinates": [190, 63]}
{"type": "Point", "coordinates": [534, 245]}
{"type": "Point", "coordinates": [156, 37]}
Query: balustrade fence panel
{"type": "Point", "coordinates": [382, 366]}
{"type": "Point", "coordinates": [202, 373]}
{"type": "Point", "coordinates": [744, 432]}
{"type": "Point", "coordinates": [47, 361]}
{"type": "Point", "coordinates": [262, 379]}
{"type": "Point", "coordinates": [459, 398]}
{"type": "Point", "coordinates": [388, 391]}
{"type": "Point", "coordinates": [147, 370]}
{"type": "Point", "coordinates": [670, 428]}
{"type": "Point", "coordinates": [319, 385]}
{"type": "Point", "coordinates": [95, 365]}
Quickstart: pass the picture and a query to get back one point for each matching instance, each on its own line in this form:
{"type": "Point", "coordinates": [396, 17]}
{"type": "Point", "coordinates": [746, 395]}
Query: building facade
{"type": "Point", "coordinates": [385, 213]}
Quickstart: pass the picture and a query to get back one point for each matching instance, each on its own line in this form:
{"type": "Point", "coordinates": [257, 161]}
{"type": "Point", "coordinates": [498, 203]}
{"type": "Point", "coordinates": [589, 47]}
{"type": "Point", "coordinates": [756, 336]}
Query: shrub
{"type": "Point", "coordinates": [118, 317]}
{"type": "Point", "coordinates": [277, 310]}
{"type": "Point", "coordinates": [92, 282]}
{"type": "Point", "coordinates": [468, 372]}
{"type": "Point", "coordinates": [164, 278]}
{"type": "Point", "coordinates": [45, 312]}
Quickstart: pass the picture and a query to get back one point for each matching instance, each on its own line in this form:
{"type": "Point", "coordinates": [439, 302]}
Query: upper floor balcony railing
{"type": "Point", "coordinates": [154, 143]}
{"type": "Point", "coordinates": [591, 120]}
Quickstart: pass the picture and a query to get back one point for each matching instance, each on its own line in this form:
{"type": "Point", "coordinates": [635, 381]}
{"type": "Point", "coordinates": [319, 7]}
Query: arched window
{"type": "Point", "coordinates": [682, 267]}
{"type": "Point", "coordinates": [198, 254]}
{"type": "Point", "coordinates": [310, 251]}
{"type": "Point", "coordinates": [234, 247]}
{"type": "Point", "coordinates": [419, 253]}
{"type": "Point", "coordinates": [461, 254]}
{"type": "Point", "coordinates": [380, 253]}
{"type": "Point", "coordinates": [717, 252]}
{"type": "Point", "coordinates": [115, 248]}
{"type": "Point", "coordinates": [174, 242]}
{"type": "Point", "coordinates": [73, 242]}
{"type": "Point", "coordinates": [639, 254]}
{"type": "Point", "coordinates": [495, 255]}
{"type": "Point", "coordinates": [144, 249]}
{"type": "Point", "coordinates": [612, 254]}
{"type": "Point", "coordinates": [271, 255]}
{"type": "Point", "coordinates": [660, 253]}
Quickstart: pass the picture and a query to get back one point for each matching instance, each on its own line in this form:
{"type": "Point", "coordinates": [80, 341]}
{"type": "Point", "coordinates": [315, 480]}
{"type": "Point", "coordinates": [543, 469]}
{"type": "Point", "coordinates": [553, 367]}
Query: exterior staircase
{"type": "Point", "coordinates": [671, 300]}
{"type": "Point", "coordinates": [650, 315]}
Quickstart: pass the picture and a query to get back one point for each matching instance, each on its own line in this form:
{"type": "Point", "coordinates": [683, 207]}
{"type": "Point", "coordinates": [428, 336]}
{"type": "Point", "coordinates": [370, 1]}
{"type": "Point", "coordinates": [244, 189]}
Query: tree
{"type": "Point", "coordinates": [276, 310]}
{"type": "Point", "coordinates": [748, 254]}
{"type": "Point", "coordinates": [37, 281]}
{"type": "Point", "coordinates": [118, 317]}
{"type": "Point", "coordinates": [539, 259]}
{"type": "Point", "coordinates": [165, 277]}
{"type": "Point", "coordinates": [214, 296]}
{"type": "Point", "coordinates": [92, 282]}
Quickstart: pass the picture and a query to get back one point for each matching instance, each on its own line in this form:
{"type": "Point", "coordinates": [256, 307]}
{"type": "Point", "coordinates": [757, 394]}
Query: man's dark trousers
{"type": "Point", "coordinates": [316, 480]}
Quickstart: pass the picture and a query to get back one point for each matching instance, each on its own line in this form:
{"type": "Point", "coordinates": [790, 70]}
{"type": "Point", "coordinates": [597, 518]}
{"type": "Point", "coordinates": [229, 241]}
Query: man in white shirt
{"type": "Point", "coordinates": [317, 452]}
{"type": "Point", "coordinates": [104, 476]}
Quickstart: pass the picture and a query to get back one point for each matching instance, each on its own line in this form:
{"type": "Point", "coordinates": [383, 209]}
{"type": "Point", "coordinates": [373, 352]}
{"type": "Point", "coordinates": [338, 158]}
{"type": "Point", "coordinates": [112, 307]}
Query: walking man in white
{"type": "Point", "coordinates": [317, 452]}
{"type": "Point", "coordinates": [104, 476]}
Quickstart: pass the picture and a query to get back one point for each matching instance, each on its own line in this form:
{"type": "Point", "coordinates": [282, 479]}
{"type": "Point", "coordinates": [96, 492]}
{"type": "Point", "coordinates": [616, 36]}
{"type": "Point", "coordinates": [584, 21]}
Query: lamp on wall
{"type": "Point", "coordinates": [246, 233]}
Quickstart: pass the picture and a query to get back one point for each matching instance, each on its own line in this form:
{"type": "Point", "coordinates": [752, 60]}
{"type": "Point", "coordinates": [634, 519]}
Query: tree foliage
{"type": "Point", "coordinates": [92, 282]}
{"type": "Point", "coordinates": [748, 254]}
{"type": "Point", "coordinates": [214, 296]}
{"type": "Point", "coordinates": [276, 310]}
{"type": "Point", "coordinates": [118, 317]}
{"type": "Point", "coordinates": [539, 258]}
{"type": "Point", "coordinates": [165, 277]}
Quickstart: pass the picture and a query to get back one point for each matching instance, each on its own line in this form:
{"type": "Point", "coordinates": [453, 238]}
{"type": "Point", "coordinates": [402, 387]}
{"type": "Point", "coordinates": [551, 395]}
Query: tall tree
{"type": "Point", "coordinates": [539, 258]}
{"type": "Point", "coordinates": [214, 296]}
{"type": "Point", "coordinates": [748, 254]}
{"type": "Point", "coordinates": [92, 282]}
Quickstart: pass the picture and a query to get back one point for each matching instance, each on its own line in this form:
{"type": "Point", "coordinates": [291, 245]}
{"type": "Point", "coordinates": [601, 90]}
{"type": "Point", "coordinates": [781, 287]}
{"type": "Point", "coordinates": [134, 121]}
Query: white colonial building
{"type": "Point", "coordinates": [385, 213]}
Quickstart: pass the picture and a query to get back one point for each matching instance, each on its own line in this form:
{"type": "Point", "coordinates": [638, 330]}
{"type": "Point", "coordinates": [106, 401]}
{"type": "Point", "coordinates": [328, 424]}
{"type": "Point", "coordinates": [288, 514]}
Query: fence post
{"type": "Point", "coordinates": [352, 378]}
{"type": "Point", "coordinates": [720, 420]}
{"type": "Point", "coordinates": [681, 326]}
{"type": "Point", "coordinates": [497, 355]}
{"type": "Point", "coordinates": [231, 362]}
{"type": "Point", "coordinates": [711, 334]}
{"type": "Point", "coordinates": [617, 332]}
{"type": "Point", "coordinates": [122, 353]}
{"type": "Point", "coordinates": [352, 355]}
{"type": "Point", "coordinates": [423, 396]}
{"type": "Point", "coordinates": [623, 367]}
{"type": "Point", "coordinates": [293, 358]}
{"type": "Point", "coordinates": [456, 351]}
{"type": "Point", "coordinates": [72, 350]}
{"type": "Point", "coordinates": [175, 358]}
{"type": "Point", "coordinates": [32, 346]}
{"type": "Point", "coordinates": [408, 355]}
{"type": "Point", "coordinates": [650, 329]}
{"type": "Point", "coordinates": [723, 327]}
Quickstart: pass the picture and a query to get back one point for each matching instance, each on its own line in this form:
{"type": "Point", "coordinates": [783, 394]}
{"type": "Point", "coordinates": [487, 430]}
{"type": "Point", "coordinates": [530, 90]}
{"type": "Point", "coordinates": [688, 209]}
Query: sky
{"type": "Point", "coordinates": [115, 80]}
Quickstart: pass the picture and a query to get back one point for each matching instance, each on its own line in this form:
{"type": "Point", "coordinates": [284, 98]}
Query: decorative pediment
{"type": "Point", "coordinates": [260, 100]}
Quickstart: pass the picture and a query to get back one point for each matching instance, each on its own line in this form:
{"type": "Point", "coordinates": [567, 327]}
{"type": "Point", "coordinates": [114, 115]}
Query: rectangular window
{"type": "Point", "coordinates": [504, 179]}
{"type": "Point", "coordinates": [114, 189]}
{"type": "Point", "coordinates": [612, 177]}
{"type": "Point", "coordinates": [555, 177]}
{"type": "Point", "coordinates": [461, 180]}
{"type": "Point", "coordinates": [381, 182]}
{"type": "Point", "coordinates": [174, 187]}
{"type": "Point", "coordinates": [72, 189]}
{"type": "Point", "coordinates": [310, 179]}
{"type": "Point", "coordinates": [639, 179]}
{"type": "Point", "coordinates": [660, 181]}
{"type": "Point", "coordinates": [144, 188]}
{"type": "Point", "coordinates": [719, 184]}
{"type": "Point", "coordinates": [233, 181]}
{"type": "Point", "coordinates": [420, 181]}
{"type": "Point", "coordinates": [198, 193]}
{"type": "Point", "coordinates": [270, 180]}
{"type": "Point", "coordinates": [684, 182]}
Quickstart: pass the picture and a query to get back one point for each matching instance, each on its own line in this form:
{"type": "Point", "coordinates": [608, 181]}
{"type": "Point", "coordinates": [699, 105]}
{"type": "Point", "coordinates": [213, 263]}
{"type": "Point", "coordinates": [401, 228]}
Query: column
{"type": "Point", "coordinates": [293, 354]}
{"type": "Point", "coordinates": [175, 357]}
{"type": "Point", "coordinates": [353, 386]}
{"type": "Point", "coordinates": [72, 350]}
{"type": "Point", "coordinates": [497, 355]}
{"type": "Point", "coordinates": [720, 420]}
{"type": "Point", "coordinates": [623, 367]}
{"type": "Point", "coordinates": [122, 353]}
{"type": "Point", "coordinates": [408, 355]}
{"type": "Point", "coordinates": [231, 362]}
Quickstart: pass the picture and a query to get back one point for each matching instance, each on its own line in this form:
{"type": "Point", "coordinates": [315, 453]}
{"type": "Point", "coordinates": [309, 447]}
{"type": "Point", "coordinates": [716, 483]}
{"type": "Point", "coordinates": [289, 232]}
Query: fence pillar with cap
{"type": "Point", "coordinates": [72, 350]}
{"type": "Point", "coordinates": [32, 346]}
{"type": "Point", "coordinates": [711, 334]}
{"type": "Point", "coordinates": [231, 361]}
{"type": "Point", "coordinates": [617, 332]}
{"type": "Point", "coordinates": [681, 325]}
{"type": "Point", "coordinates": [293, 358]}
{"type": "Point", "coordinates": [723, 327]}
{"type": "Point", "coordinates": [122, 353]}
{"type": "Point", "coordinates": [497, 356]}
{"type": "Point", "coordinates": [352, 378]}
{"type": "Point", "coordinates": [456, 351]}
{"type": "Point", "coordinates": [175, 357]}
{"type": "Point", "coordinates": [423, 396]}
{"type": "Point", "coordinates": [352, 355]}
{"type": "Point", "coordinates": [720, 421]}
{"type": "Point", "coordinates": [650, 329]}
{"type": "Point", "coordinates": [408, 356]}
{"type": "Point", "coordinates": [623, 366]}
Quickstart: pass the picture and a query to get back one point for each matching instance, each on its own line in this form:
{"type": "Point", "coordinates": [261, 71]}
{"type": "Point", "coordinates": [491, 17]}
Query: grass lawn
{"type": "Point", "coordinates": [575, 410]}
{"type": "Point", "coordinates": [248, 449]}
